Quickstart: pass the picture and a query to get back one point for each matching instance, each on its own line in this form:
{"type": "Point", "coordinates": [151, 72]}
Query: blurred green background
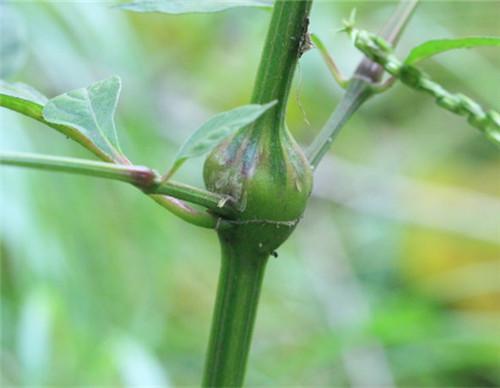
{"type": "Point", "coordinates": [392, 278]}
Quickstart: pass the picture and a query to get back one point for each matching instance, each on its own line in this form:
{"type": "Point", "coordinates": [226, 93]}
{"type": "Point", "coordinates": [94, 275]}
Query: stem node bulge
{"type": "Point", "coordinates": [262, 167]}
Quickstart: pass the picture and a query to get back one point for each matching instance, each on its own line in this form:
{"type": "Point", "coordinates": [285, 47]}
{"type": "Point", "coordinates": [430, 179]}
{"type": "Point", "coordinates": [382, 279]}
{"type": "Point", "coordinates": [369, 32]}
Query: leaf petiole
{"type": "Point", "coordinates": [142, 177]}
{"type": "Point", "coordinates": [214, 130]}
{"type": "Point", "coordinates": [330, 63]}
{"type": "Point", "coordinates": [24, 99]}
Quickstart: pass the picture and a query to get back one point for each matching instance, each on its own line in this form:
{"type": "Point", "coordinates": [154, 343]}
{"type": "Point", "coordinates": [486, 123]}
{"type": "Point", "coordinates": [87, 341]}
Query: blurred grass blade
{"type": "Point", "coordinates": [13, 41]}
{"type": "Point", "coordinates": [191, 6]}
{"type": "Point", "coordinates": [215, 129]}
{"type": "Point", "coordinates": [91, 111]}
{"type": "Point", "coordinates": [34, 335]}
{"type": "Point", "coordinates": [437, 46]}
{"type": "Point", "coordinates": [137, 366]}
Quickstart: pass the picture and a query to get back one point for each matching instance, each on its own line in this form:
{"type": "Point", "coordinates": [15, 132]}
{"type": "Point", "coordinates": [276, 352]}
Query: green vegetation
{"type": "Point", "coordinates": [394, 287]}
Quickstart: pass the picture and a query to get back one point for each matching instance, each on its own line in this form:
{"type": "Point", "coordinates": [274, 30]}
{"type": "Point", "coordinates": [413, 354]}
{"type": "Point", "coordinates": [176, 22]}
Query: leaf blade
{"type": "Point", "coordinates": [214, 130]}
{"type": "Point", "coordinates": [21, 91]}
{"type": "Point", "coordinates": [177, 7]}
{"type": "Point", "coordinates": [91, 111]}
{"type": "Point", "coordinates": [437, 46]}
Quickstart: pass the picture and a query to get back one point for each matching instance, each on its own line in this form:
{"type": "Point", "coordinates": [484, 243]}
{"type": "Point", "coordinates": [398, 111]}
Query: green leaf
{"type": "Point", "coordinates": [91, 111]}
{"type": "Point", "coordinates": [205, 138]}
{"type": "Point", "coordinates": [437, 46]}
{"type": "Point", "coordinates": [23, 92]}
{"type": "Point", "coordinates": [191, 6]}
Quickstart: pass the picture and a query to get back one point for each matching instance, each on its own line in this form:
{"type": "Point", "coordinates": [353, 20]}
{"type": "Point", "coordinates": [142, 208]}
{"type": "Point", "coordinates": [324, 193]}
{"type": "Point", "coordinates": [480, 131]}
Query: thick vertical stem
{"type": "Point", "coordinates": [286, 41]}
{"type": "Point", "coordinates": [240, 282]}
{"type": "Point", "coordinates": [243, 257]}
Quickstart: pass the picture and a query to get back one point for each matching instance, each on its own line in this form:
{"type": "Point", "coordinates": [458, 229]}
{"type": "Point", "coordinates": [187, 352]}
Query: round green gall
{"type": "Point", "coordinates": [269, 179]}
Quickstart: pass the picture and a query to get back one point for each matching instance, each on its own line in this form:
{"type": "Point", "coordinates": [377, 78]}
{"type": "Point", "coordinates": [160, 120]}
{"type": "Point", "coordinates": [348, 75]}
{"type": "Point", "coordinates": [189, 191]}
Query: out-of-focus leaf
{"type": "Point", "coordinates": [191, 6]}
{"type": "Point", "coordinates": [437, 46]}
{"type": "Point", "coordinates": [493, 131]}
{"type": "Point", "coordinates": [13, 50]}
{"type": "Point", "coordinates": [138, 366]}
{"type": "Point", "coordinates": [90, 110]}
{"type": "Point", "coordinates": [215, 129]}
{"type": "Point", "coordinates": [21, 91]}
{"type": "Point", "coordinates": [34, 335]}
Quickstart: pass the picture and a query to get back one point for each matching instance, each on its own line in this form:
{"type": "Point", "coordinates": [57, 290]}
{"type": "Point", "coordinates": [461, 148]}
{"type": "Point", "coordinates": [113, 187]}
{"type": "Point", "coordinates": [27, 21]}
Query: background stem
{"type": "Point", "coordinates": [356, 94]}
{"type": "Point", "coordinates": [240, 282]}
{"type": "Point", "coordinates": [361, 86]}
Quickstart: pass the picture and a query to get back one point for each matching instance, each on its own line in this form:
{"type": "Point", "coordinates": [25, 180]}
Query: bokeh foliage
{"type": "Point", "coordinates": [393, 276]}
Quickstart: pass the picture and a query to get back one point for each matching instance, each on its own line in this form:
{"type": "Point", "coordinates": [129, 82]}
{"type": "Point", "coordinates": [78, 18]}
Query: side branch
{"type": "Point", "coordinates": [137, 176]}
{"type": "Point", "coordinates": [362, 86]}
{"type": "Point", "coordinates": [141, 177]}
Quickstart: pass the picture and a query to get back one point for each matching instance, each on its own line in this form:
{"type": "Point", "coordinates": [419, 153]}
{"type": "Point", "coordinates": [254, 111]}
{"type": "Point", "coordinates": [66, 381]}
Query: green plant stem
{"type": "Point", "coordinates": [358, 91]}
{"type": "Point", "coordinates": [391, 31]}
{"type": "Point", "coordinates": [35, 111]}
{"type": "Point", "coordinates": [215, 202]}
{"type": "Point", "coordinates": [143, 178]}
{"type": "Point", "coordinates": [137, 175]}
{"type": "Point", "coordinates": [330, 63]}
{"type": "Point", "coordinates": [187, 213]}
{"type": "Point", "coordinates": [285, 42]}
{"type": "Point", "coordinates": [242, 267]}
{"type": "Point", "coordinates": [361, 86]}
{"type": "Point", "coordinates": [240, 281]}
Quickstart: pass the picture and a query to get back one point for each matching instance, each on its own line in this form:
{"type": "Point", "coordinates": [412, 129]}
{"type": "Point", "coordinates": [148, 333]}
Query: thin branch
{"type": "Point", "coordinates": [361, 87]}
{"type": "Point", "coordinates": [218, 205]}
{"type": "Point", "coordinates": [330, 63]}
{"type": "Point", "coordinates": [357, 93]}
{"type": "Point", "coordinates": [394, 28]}
{"type": "Point", "coordinates": [391, 32]}
{"type": "Point", "coordinates": [136, 175]}
{"type": "Point", "coordinates": [187, 213]}
{"type": "Point", "coordinates": [143, 178]}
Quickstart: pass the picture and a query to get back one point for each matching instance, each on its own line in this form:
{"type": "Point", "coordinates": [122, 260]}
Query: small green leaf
{"type": "Point", "coordinates": [190, 6]}
{"type": "Point", "coordinates": [437, 46]}
{"type": "Point", "coordinates": [91, 111]}
{"type": "Point", "coordinates": [23, 92]}
{"type": "Point", "coordinates": [215, 130]}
